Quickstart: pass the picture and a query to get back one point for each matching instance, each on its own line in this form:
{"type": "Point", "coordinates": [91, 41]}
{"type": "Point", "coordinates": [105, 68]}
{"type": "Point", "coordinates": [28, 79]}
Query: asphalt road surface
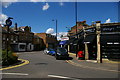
{"type": "Point", "coordinates": [43, 66]}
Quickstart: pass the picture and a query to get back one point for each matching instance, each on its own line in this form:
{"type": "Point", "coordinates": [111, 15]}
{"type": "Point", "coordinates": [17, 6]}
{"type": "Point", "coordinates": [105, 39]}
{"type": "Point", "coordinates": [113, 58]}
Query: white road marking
{"type": "Point", "coordinates": [91, 61]}
{"type": "Point", "coordinates": [15, 74]}
{"type": "Point", "coordinates": [62, 77]}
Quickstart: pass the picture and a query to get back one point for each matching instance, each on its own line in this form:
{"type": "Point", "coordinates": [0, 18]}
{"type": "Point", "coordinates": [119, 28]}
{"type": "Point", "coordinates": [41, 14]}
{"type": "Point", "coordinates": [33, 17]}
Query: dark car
{"type": "Point", "coordinates": [61, 53]}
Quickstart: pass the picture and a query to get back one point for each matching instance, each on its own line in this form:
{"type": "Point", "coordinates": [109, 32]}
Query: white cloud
{"type": "Point", "coordinates": [34, 0]}
{"type": "Point", "coordinates": [61, 3]}
{"type": "Point", "coordinates": [3, 18]}
{"type": "Point", "coordinates": [37, 0]}
{"type": "Point", "coordinates": [108, 20]}
{"type": "Point", "coordinates": [50, 31]}
{"type": "Point", "coordinates": [43, 0]}
{"type": "Point", "coordinates": [46, 6]}
{"type": "Point", "coordinates": [60, 34]}
{"type": "Point", "coordinates": [63, 33]}
{"type": "Point", "coordinates": [6, 3]}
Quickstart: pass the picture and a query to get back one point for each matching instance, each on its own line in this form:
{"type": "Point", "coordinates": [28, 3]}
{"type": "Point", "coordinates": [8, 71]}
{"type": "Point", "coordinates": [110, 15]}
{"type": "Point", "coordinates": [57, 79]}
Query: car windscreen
{"type": "Point", "coordinates": [51, 50]}
{"type": "Point", "coordinates": [62, 50]}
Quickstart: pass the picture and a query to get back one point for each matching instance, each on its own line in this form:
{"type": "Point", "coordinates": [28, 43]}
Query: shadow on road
{"type": "Point", "coordinates": [69, 58]}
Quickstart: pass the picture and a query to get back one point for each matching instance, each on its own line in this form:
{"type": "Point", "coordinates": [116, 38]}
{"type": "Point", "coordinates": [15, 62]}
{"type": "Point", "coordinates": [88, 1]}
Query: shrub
{"type": "Point", "coordinates": [12, 57]}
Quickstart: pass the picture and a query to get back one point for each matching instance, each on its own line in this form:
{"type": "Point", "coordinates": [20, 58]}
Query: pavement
{"type": "Point", "coordinates": [106, 65]}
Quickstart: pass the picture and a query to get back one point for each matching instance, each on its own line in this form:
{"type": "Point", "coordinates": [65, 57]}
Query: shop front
{"type": "Point", "coordinates": [110, 41]}
{"type": "Point", "coordinates": [90, 41]}
{"type": "Point", "coordinates": [110, 46]}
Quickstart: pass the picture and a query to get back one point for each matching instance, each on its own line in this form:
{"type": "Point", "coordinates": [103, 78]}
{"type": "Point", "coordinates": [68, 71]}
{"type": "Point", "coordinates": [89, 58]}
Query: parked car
{"type": "Point", "coordinates": [61, 53]}
{"type": "Point", "coordinates": [52, 52]}
{"type": "Point", "coordinates": [46, 51]}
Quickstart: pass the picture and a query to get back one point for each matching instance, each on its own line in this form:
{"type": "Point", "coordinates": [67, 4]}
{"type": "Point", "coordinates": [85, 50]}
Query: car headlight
{"type": "Point", "coordinates": [58, 53]}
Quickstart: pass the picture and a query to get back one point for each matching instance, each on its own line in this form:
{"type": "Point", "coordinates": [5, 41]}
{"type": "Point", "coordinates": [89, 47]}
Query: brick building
{"type": "Point", "coordinates": [73, 41]}
{"type": "Point", "coordinates": [38, 43]}
{"type": "Point", "coordinates": [19, 39]}
{"type": "Point", "coordinates": [13, 38]}
{"type": "Point", "coordinates": [49, 40]}
{"type": "Point", "coordinates": [80, 26]}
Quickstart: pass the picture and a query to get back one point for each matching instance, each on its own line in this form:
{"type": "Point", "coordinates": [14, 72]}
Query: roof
{"type": "Point", "coordinates": [110, 24]}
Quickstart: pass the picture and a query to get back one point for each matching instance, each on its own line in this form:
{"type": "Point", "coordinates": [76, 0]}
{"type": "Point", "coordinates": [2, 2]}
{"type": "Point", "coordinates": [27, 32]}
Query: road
{"type": "Point", "coordinates": [46, 66]}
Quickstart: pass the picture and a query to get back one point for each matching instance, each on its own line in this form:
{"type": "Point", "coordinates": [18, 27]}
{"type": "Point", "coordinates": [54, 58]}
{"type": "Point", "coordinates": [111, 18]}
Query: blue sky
{"type": "Point", "coordinates": [32, 14]}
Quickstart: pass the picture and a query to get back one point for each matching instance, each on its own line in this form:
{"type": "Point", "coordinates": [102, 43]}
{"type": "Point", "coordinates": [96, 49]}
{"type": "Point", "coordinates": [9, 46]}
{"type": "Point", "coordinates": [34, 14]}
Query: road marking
{"type": "Point", "coordinates": [63, 77]}
{"type": "Point", "coordinates": [94, 61]}
{"type": "Point", "coordinates": [75, 64]}
{"type": "Point", "coordinates": [25, 62]}
{"type": "Point", "coordinates": [24, 74]}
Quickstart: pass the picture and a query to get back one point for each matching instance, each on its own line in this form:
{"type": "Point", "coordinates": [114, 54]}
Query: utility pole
{"type": "Point", "coordinates": [76, 25]}
{"type": "Point", "coordinates": [56, 30]}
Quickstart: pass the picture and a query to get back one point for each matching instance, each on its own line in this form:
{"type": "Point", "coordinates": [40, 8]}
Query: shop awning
{"type": "Point", "coordinates": [63, 42]}
{"type": "Point", "coordinates": [89, 38]}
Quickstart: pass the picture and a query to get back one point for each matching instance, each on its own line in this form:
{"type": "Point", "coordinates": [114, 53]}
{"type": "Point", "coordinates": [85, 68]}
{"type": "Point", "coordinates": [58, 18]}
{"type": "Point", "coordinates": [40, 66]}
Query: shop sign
{"type": "Point", "coordinates": [110, 28]}
{"type": "Point", "coordinates": [90, 30]}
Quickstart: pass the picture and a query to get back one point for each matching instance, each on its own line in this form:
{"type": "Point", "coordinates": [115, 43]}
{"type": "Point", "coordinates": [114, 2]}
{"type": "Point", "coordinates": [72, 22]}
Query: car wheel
{"type": "Point", "coordinates": [56, 57]}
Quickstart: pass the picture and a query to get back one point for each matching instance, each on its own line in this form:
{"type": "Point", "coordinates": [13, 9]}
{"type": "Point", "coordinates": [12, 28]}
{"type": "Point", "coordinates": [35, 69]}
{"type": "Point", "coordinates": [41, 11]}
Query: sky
{"type": "Point", "coordinates": [40, 15]}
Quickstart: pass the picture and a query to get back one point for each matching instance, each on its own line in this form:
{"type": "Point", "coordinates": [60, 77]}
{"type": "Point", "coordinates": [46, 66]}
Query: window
{"type": "Point", "coordinates": [4, 37]}
{"type": "Point", "coordinates": [22, 46]}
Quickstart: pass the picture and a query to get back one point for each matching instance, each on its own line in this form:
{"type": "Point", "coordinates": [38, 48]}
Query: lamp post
{"type": "Point", "coordinates": [8, 24]}
{"type": "Point", "coordinates": [56, 30]}
{"type": "Point", "coordinates": [76, 25]}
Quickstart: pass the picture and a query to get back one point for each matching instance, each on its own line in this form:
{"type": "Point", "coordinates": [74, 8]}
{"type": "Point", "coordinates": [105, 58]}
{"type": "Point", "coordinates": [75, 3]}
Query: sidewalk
{"type": "Point", "coordinates": [93, 64]}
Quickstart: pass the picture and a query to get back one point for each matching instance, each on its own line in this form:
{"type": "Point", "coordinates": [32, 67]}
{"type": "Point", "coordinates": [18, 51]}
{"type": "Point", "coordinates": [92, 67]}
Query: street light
{"type": "Point", "coordinates": [56, 29]}
{"type": "Point", "coordinates": [8, 24]}
{"type": "Point", "coordinates": [76, 25]}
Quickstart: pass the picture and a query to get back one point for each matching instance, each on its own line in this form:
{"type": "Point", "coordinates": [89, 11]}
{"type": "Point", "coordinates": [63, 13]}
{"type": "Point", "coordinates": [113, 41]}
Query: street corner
{"type": "Point", "coordinates": [21, 62]}
{"type": "Point", "coordinates": [91, 67]}
{"type": "Point", "coordinates": [111, 61]}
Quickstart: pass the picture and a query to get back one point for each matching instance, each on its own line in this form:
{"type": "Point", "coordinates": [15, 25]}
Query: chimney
{"type": "Point", "coordinates": [15, 26]}
{"type": "Point", "coordinates": [29, 28]}
{"type": "Point", "coordinates": [98, 23]}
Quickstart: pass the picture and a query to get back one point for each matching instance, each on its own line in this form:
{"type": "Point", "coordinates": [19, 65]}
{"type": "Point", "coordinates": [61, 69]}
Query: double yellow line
{"type": "Point", "coordinates": [24, 63]}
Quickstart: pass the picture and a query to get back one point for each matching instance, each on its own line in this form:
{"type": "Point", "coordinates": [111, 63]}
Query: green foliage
{"type": "Point", "coordinates": [10, 57]}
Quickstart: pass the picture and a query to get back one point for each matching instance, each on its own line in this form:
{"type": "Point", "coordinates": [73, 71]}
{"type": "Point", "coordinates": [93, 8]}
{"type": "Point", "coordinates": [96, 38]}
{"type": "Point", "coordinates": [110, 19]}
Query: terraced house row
{"type": "Point", "coordinates": [22, 39]}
